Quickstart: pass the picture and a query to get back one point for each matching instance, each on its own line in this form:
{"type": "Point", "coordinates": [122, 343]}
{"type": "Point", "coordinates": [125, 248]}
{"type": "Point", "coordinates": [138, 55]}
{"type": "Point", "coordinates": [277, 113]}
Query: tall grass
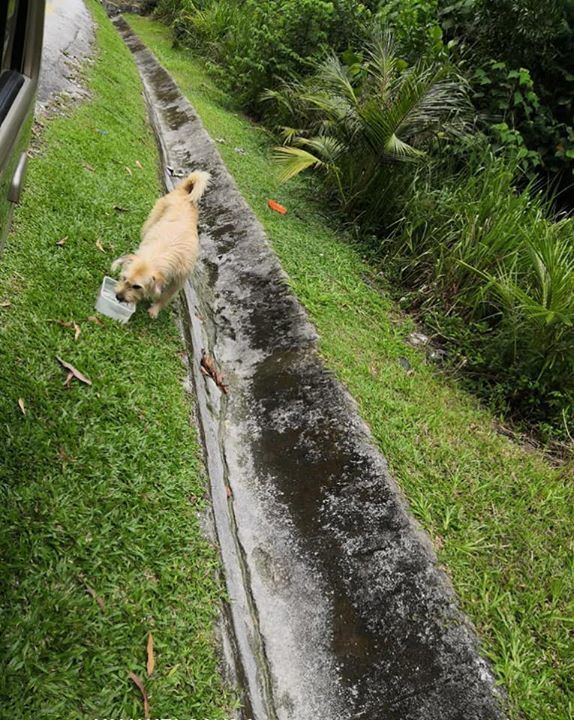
{"type": "Point", "coordinates": [493, 257]}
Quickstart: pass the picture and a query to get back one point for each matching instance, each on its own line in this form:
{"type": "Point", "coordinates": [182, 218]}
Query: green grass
{"type": "Point", "coordinates": [500, 515]}
{"type": "Point", "coordinates": [101, 487]}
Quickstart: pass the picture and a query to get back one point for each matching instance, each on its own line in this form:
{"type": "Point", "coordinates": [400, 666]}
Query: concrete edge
{"type": "Point", "coordinates": [341, 662]}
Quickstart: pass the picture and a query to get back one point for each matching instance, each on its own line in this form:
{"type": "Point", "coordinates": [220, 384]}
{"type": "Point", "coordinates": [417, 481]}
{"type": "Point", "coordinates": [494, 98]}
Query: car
{"type": "Point", "coordinates": [21, 31]}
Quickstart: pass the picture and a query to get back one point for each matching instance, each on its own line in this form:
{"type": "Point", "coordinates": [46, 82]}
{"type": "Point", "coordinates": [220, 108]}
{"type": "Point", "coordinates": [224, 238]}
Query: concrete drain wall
{"type": "Point", "coordinates": [337, 607]}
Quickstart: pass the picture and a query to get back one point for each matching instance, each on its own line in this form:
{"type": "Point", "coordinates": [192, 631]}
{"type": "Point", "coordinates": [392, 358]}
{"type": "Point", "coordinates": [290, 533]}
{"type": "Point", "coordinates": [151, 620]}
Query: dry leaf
{"type": "Point", "coordinates": [207, 366]}
{"type": "Point", "coordinates": [96, 597]}
{"type": "Point", "coordinates": [139, 684]}
{"type": "Point", "coordinates": [22, 406]}
{"type": "Point", "coordinates": [73, 373]}
{"type": "Point", "coordinates": [89, 167]}
{"type": "Point", "coordinates": [69, 324]}
{"type": "Point", "coordinates": [228, 491]}
{"type": "Point", "coordinates": [128, 170]}
{"type": "Point", "coordinates": [64, 457]}
{"type": "Point", "coordinates": [150, 655]}
{"type": "Point", "coordinates": [6, 303]}
{"type": "Point", "coordinates": [100, 246]}
{"type": "Point", "coordinates": [95, 319]}
{"type": "Point", "coordinates": [138, 163]}
{"type": "Point", "coordinates": [61, 241]}
{"type": "Point", "coordinates": [274, 205]}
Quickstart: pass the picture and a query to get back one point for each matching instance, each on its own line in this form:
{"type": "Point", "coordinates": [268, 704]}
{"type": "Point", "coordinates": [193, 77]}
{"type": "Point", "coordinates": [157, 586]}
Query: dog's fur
{"type": "Point", "coordinates": [168, 249]}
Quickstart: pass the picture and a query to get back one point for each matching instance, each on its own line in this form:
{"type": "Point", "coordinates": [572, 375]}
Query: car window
{"type": "Point", "coordinates": [12, 27]}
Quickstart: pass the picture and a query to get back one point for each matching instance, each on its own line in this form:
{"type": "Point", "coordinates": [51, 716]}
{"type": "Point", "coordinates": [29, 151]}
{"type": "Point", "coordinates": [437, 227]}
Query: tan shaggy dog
{"type": "Point", "coordinates": [168, 250]}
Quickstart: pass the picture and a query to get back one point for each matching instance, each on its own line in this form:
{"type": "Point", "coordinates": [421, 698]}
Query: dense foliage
{"type": "Point", "coordinates": [442, 147]}
{"type": "Point", "coordinates": [259, 42]}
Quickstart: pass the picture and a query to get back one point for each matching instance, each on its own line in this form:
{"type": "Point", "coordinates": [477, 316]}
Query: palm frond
{"type": "Point", "coordinates": [293, 160]}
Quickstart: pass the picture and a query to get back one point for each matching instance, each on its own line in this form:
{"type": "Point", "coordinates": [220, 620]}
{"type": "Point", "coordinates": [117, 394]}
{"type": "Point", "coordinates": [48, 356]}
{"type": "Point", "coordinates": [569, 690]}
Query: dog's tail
{"type": "Point", "coordinates": [195, 184]}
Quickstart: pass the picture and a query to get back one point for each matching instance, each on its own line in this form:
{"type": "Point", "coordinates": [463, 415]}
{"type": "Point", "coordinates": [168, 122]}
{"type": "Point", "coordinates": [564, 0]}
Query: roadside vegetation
{"type": "Point", "coordinates": [442, 134]}
{"type": "Point", "coordinates": [500, 515]}
{"type": "Point", "coordinates": [102, 485]}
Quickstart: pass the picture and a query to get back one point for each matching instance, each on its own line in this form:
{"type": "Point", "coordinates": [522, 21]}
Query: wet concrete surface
{"type": "Point", "coordinates": [68, 38]}
{"type": "Point", "coordinates": [339, 610]}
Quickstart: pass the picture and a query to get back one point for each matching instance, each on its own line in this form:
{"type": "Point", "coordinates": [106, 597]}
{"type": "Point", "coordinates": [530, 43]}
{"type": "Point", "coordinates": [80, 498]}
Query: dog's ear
{"type": "Point", "coordinates": [122, 261]}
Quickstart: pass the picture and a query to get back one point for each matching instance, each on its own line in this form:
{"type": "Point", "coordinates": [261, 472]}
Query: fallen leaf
{"type": "Point", "coordinates": [139, 684]}
{"type": "Point", "coordinates": [73, 373]}
{"type": "Point", "coordinates": [22, 406]}
{"type": "Point", "coordinates": [95, 319]}
{"type": "Point", "coordinates": [61, 241]}
{"type": "Point", "coordinates": [150, 655]}
{"type": "Point", "coordinates": [64, 457]}
{"type": "Point", "coordinates": [96, 597]}
{"type": "Point", "coordinates": [89, 167]}
{"type": "Point", "coordinates": [228, 491]}
{"type": "Point", "coordinates": [5, 303]}
{"type": "Point", "coordinates": [119, 208]}
{"type": "Point", "coordinates": [138, 163]}
{"type": "Point", "coordinates": [100, 246]}
{"type": "Point", "coordinates": [128, 170]}
{"type": "Point", "coordinates": [68, 380]}
{"type": "Point", "coordinates": [69, 324]}
{"type": "Point", "coordinates": [207, 366]}
{"type": "Point", "coordinates": [275, 206]}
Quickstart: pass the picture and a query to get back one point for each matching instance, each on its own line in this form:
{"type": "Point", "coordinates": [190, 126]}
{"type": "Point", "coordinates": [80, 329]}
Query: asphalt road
{"type": "Point", "coordinates": [68, 34]}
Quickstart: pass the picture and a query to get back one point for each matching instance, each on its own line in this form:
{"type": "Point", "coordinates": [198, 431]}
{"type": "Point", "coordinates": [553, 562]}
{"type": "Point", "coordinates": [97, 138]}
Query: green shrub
{"type": "Point", "coordinates": [494, 274]}
{"type": "Point", "coordinates": [520, 61]}
{"type": "Point", "coordinates": [365, 125]}
{"type": "Point", "coordinates": [258, 43]}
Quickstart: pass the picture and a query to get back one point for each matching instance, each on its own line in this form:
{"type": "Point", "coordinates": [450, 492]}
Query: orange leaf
{"type": "Point", "coordinates": [275, 206]}
{"type": "Point", "coordinates": [150, 655]}
{"type": "Point", "coordinates": [139, 684]}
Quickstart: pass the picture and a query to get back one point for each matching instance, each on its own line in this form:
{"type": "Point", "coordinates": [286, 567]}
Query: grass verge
{"type": "Point", "coordinates": [102, 486]}
{"type": "Point", "coordinates": [499, 514]}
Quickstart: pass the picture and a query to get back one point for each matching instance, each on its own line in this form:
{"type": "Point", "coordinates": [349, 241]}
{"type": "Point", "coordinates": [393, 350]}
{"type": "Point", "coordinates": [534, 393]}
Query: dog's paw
{"type": "Point", "coordinates": [153, 312]}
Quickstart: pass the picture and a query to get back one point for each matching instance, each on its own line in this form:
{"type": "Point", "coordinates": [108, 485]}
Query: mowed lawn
{"type": "Point", "coordinates": [102, 485]}
{"type": "Point", "coordinates": [501, 515]}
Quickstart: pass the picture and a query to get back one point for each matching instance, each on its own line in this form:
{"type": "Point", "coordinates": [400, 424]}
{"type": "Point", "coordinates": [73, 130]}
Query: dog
{"type": "Point", "coordinates": [168, 250]}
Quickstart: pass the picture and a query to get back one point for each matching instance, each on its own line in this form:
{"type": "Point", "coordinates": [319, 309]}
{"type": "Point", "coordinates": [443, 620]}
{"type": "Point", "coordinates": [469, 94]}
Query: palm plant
{"type": "Point", "coordinates": [362, 125]}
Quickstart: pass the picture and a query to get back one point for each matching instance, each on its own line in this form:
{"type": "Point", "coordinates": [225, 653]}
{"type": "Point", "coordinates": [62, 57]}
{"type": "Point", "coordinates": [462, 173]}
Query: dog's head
{"type": "Point", "coordinates": [138, 279]}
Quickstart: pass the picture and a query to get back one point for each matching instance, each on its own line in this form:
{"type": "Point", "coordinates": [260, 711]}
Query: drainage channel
{"type": "Point", "coordinates": [337, 608]}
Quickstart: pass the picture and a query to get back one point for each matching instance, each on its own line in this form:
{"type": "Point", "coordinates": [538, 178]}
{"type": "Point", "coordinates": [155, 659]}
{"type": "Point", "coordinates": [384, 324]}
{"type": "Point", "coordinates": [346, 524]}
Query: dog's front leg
{"type": "Point", "coordinates": [164, 299]}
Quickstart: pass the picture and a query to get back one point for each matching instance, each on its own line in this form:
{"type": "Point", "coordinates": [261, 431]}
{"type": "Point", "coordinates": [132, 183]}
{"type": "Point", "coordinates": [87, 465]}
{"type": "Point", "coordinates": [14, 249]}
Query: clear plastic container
{"type": "Point", "coordinates": [109, 305]}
